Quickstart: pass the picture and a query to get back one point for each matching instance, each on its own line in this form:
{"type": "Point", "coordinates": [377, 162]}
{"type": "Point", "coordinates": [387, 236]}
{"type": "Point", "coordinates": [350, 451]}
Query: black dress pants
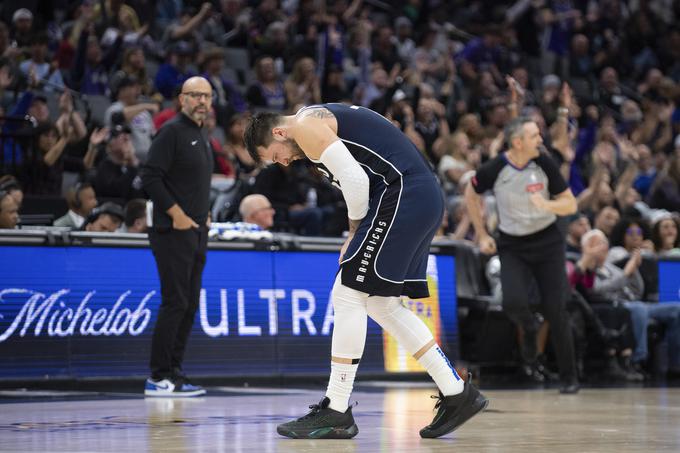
{"type": "Point", "coordinates": [541, 256]}
{"type": "Point", "coordinates": [180, 259]}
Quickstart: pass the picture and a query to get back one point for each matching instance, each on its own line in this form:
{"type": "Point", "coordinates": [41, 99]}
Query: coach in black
{"type": "Point", "coordinates": [177, 178]}
{"type": "Point", "coordinates": [530, 194]}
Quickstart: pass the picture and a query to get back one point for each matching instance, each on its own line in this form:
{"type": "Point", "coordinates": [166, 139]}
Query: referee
{"type": "Point", "coordinates": [177, 178]}
{"type": "Point", "coordinates": [530, 193]}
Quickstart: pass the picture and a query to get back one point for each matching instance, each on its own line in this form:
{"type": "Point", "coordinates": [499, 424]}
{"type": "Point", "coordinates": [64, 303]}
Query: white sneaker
{"type": "Point", "coordinates": [167, 388]}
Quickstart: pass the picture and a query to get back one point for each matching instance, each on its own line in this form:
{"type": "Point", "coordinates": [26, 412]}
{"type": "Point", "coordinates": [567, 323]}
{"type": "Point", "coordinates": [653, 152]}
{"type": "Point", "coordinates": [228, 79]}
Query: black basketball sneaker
{"type": "Point", "coordinates": [454, 410]}
{"type": "Point", "coordinates": [322, 422]}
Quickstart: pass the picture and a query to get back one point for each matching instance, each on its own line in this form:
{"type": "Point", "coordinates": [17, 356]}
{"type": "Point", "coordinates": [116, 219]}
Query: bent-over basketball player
{"type": "Point", "coordinates": [395, 206]}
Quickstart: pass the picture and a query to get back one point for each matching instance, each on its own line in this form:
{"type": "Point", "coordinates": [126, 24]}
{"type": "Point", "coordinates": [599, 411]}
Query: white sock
{"type": "Point", "coordinates": [349, 337]}
{"type": "Point", "coordinates": [441, 371]}
{"type": "Point", "coordinates": [340, 385]}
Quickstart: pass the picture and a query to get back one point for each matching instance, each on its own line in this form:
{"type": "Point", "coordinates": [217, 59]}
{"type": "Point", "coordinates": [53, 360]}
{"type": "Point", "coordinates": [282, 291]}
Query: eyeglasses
{"type": "Point", "coordinates": [198, 95]}
{"type": "Point", "coordinates": [636, 231]}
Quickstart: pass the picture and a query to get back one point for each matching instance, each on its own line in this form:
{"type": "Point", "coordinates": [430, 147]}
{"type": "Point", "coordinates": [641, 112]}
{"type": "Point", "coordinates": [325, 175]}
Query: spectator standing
{"type": "Point", "coordinates": [39, 67]}
{"type": "Point", "coordinates": [665, 192]}
{"type": "Point", "coordinates": [175, 70]}
{"type": "Point", "coordinates": [134, 66]}
{"type": "Point", "coordinates": [92, 66]}
{"type": "Point", "coordinates": [128, 110]}
{"type": "Point", "coordinates": [227, 99]}
{"type": "Point", "coordinates": [267, 91]}
{"type": "Point", "coordinates": [118, 173]}
{"type": "Point", "coordinates": [302, 86]}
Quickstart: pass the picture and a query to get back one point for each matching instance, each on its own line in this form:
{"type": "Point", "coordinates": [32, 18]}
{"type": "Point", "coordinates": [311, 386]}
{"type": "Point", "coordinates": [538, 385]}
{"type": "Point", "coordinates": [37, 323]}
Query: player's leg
{"type": "Point", "coordinates": [414, 336]}
{"type": "Point", "coordinates": [332, 418]}
{"type": "Point", "coordinates": [458, 400]}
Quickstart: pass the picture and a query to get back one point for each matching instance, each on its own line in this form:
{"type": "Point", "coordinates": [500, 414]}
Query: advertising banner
{"type": "Point", "coordinates": [669, 281]}
{"type": "Point", "coordinates": [90, 311]}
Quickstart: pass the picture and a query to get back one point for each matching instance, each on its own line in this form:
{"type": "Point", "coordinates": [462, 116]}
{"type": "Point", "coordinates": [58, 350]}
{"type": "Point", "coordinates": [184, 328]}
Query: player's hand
{"type": "Point", "coordinates": [487, 245]}
{"type": "Point", "coordinates": [343, 250]}
{"type": "Point", "coordinates": [183, 222]}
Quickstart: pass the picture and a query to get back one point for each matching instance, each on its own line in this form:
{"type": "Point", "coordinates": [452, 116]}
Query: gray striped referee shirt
{"type": "Point", "coordinates": [512, 187]}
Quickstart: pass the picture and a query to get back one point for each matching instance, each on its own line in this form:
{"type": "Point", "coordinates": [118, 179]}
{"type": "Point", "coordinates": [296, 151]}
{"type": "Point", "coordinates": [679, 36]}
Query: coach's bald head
{"type": "Point", "coordinates": [196, 99]}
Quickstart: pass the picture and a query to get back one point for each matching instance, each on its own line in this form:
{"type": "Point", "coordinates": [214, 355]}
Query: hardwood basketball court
{"type": "Point", "coordinates": [234, 419]}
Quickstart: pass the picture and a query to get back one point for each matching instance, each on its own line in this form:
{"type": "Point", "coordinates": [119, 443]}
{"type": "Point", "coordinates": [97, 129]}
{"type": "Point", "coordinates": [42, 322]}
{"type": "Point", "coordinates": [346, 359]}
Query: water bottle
{"type": "Point", "coordinates": [311, 198]}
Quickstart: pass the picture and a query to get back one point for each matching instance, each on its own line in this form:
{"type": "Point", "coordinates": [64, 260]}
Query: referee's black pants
{"type": "Point", "coordinates": [541, 256]}
{"type": "Point", "coordinates": [180, 259]}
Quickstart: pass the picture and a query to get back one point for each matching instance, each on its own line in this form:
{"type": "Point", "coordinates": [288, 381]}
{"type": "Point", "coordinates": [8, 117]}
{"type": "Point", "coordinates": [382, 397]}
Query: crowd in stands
{"type": "Point", "coordinates": [85, 85]}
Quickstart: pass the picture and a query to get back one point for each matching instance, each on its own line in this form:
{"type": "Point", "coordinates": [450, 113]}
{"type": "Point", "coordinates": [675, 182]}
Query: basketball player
{"type": "Point", "coordinates": [395, 206]}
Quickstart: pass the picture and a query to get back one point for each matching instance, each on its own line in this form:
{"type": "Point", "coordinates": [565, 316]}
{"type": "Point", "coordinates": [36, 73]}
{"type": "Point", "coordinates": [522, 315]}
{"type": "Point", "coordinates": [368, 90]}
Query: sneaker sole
{"type": "Point", "coordinates": [320, 433]}
{"type": "Point", "coordinates": [165, 394]}
{"type": "Point", "coordinates": [477, 406]}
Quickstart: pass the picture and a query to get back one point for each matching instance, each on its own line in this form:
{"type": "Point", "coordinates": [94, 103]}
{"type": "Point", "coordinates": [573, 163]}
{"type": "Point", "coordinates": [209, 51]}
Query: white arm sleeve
{"type": "Point", "coordinates": [353, 179]}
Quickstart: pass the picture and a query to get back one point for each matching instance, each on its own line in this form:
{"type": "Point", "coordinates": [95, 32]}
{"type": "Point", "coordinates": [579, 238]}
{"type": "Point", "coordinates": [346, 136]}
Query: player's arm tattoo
{"type": "Point", "coordinates": [317, 112]}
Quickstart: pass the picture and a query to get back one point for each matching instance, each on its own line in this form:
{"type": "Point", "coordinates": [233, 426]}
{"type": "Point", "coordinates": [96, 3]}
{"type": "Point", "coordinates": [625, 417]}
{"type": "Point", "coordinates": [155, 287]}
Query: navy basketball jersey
{"type": "Point", "coordinates": [379, 147]}
{"type": "Point", "coordinates": [389, 252]}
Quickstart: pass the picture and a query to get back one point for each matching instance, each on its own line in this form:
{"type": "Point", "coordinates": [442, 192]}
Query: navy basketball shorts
{"type": "Point", "coordinates": [388, 254]}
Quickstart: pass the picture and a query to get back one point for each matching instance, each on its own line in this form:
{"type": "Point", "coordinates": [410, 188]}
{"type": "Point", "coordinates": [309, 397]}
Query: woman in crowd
{"type": "Point", "coordinates": [628, 235]}
{"type": "Point", "coordinates": [665, 192]}
{"type": "Point", "coordinates": [267, 91]}
{"type": "Point", "coordinates": [302, 86]}
{"type": "Point", "coordinates": [665, 236]}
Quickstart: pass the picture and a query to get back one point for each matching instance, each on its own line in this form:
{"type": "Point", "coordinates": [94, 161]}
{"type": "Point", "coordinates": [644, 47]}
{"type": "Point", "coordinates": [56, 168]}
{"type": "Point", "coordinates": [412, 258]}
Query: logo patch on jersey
{"type": "Point", "coordinates": [535, 187]}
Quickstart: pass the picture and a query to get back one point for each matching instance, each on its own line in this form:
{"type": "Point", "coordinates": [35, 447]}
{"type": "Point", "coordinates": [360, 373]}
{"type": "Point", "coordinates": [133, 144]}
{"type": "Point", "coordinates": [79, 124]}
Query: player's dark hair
{"type": "Point", "coordinates": [259, 132]}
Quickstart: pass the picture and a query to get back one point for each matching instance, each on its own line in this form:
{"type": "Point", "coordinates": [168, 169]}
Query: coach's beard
{"type": "Point", "coordinates": [199, 116]}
